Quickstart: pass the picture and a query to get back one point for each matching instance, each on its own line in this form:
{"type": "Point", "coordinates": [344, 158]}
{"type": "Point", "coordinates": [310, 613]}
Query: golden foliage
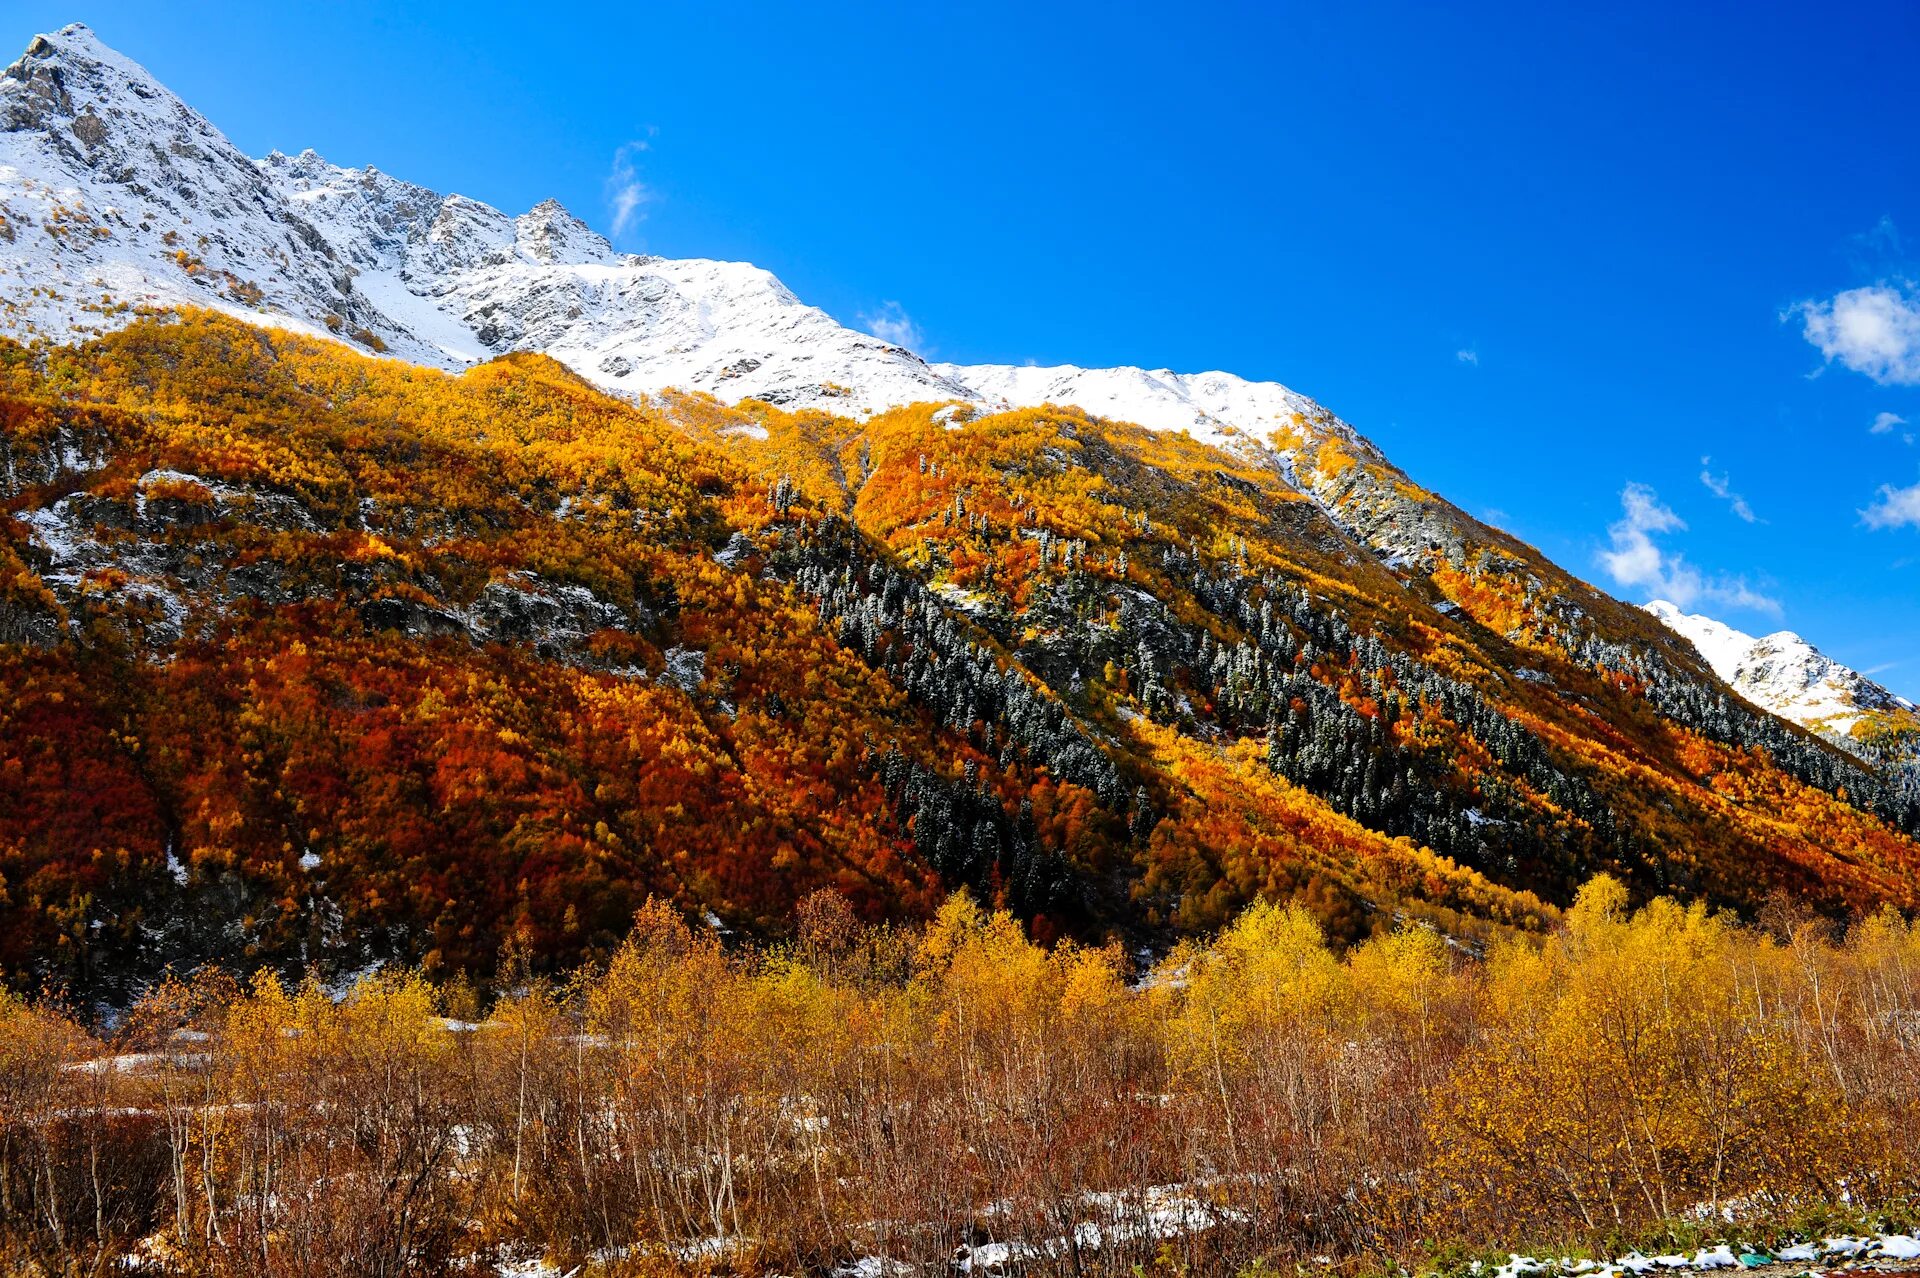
{"type": "Point", "coordinates": [879, 1092]}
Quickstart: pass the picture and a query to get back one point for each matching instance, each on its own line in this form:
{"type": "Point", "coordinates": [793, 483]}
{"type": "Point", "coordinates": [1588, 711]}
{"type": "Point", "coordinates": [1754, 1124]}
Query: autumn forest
{"type": "Point", "coordinates": [657, 833]}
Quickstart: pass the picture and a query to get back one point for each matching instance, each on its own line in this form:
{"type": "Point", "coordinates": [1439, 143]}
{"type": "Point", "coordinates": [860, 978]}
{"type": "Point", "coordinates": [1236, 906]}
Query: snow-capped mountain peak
{"type": "Point", "coordinates": [1783, 673]}
{"type": "Point", "coordinates": [114, 195]}
{"type": "Point", "coordinates": [150, 205]}
{"type": "Point", "coordinates": [549, 234]}
{"type": "Point", "coordinates": [69, 77]}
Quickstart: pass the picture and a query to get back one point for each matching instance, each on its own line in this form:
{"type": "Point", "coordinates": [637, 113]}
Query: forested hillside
{"type": "Point", "coordinates": [313, 658]}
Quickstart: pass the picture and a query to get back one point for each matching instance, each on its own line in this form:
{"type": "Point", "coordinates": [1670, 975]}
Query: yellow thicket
{"type": "Point", "coordinates": [879, 1092]}
{"type": "Point", "coordinates": [1639, 1065]}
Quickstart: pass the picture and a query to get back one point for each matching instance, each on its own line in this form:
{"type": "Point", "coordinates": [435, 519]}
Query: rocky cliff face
{"type": "Point", "coordinates": [114, 196]}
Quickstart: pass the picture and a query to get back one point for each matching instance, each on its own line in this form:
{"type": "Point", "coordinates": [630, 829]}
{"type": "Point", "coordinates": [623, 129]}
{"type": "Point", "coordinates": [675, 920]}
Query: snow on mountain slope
{"type": "Point", "coordinates": [1217, 408]}
{"type": "Point", "coordinates": [117, 196]}
{"type": "Point", "coordinates": [1783, 673]}
{"type": "Point", "coordinates": [477, 283]}
{"type": "Point", "coordinates": [114, 195]}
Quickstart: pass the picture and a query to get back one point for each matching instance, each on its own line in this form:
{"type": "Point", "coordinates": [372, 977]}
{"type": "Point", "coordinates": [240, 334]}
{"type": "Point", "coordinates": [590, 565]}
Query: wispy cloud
{"type": "Point", "coordinates": [1467, 355]}
{"type": "Point", "coordinates": [891, 323]}
{"type": "Point", "coordinates": [626, 195]}
{"type": "Point", "coordinates": [1721, 486]}
{"type": "Point", "coordinates": [1884, 424]}
{"type": "Point", "coordinates": [1879, 250]}
{"type": "Point", "coordinates": [1637, 561]}
{"type": "Point", "coordinates": [1894, 508]}
{"type": "Point", "coordinates": [1873, 330]}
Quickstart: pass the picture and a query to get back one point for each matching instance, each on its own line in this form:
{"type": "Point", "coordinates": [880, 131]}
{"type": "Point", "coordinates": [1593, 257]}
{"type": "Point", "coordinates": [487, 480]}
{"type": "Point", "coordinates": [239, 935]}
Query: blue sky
{"type": "Point", "coordinates": [1549, 258]}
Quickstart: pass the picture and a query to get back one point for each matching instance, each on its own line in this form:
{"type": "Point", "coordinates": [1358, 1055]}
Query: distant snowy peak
{"type": "Point", "coordinates": [1783, 673]}
{"type": "Point", "coordinates": [1721, 645]}
{"type": "Point", "coordinates": [379, 222]}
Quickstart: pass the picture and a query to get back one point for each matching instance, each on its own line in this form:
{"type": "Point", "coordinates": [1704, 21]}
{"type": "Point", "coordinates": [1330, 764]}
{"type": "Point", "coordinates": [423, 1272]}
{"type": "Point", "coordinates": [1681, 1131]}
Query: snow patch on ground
{"type": "Point", "coordinates": [1721, 1256]}
{"type": "Point", "coordinates": [686, 668]}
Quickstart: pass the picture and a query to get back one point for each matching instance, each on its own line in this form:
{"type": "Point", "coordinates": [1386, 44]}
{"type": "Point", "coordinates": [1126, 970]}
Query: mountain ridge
{"type": "Point", "coordinates": [397, 257]}
{"type": "Point", "coordinates": [448, 281]}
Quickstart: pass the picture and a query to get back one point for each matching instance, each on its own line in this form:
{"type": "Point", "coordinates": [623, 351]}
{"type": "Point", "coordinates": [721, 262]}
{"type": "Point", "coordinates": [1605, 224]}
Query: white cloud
{"type": "Point", "coordinates": [1721, 486]}
{"type": "Point", "coordinates": [1884, 424]}
{"type": "Point", "coordinates": [626, 195]}
{"type": "Point", "coordinates": [1637, 561]}
{"type": "Point", "coordinates": [1894, 508]}
{"type": "Point", "coordinates": [1468, 356]}
{"type": "Point", "coordinates": [891, 323]}
{"type": "Point", "coordinates": [1873, 330]}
